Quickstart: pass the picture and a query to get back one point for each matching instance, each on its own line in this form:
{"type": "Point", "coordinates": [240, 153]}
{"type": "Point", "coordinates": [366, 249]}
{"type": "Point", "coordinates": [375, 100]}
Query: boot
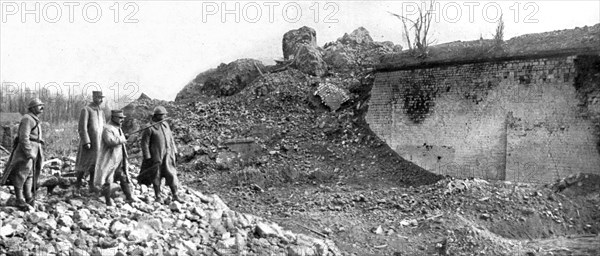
{"type": "Point", "coordinates": [77, 190]}
{"type": "Point", "coordinates": [92, 188]}
{"type": "Point", "coordinates": [28, 192]}
{"type": "Point", "coordinates": [127, 191]}
{"type": "Point", "coordinates": [174, 193]}
{"type": "Point", "coordinates": [157, 197]}
{"type": "Point", "coordinates": [106, 194]}
{"type": "Point", "coordinates": [20, 202]}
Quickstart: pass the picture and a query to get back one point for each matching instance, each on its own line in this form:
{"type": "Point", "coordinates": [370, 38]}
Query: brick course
{"type": "Point", "coordinates": [521, 120]}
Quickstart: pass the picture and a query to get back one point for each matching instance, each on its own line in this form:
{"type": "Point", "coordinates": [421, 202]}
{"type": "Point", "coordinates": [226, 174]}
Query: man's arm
{"type": "Point", "coordinates": [24, 132]}
{"type": "Point", "coordinates": [84, 136]}
{"type": "Point", "coordinates": [172, 139]}
{"type": "Point", "coordinates": [112, 139]}
{"type": "Point", "coordinates": [145, 143]}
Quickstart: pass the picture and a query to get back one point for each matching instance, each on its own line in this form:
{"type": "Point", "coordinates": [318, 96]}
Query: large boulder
{"type": "Point", "coordinates": [294, 39]}
{"type": "Point", "coordinates": [310, 61]}
{"type": "Point", "coordinates": [225, 80]}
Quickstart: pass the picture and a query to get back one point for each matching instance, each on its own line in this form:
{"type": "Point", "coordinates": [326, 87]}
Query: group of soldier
{"type": "Point", "coordinates": [102, 154]}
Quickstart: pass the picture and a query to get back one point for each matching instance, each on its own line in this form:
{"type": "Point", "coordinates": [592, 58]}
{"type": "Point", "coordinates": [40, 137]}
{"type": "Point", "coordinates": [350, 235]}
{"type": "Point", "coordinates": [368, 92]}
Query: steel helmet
{"type": "Point", "coordinates": [34, 103]}
{"type": "Point", "coordinates": [160, 110]}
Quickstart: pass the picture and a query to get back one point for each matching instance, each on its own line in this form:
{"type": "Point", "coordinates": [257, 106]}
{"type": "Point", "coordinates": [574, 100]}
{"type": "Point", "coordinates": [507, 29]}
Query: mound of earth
{"type": "Point", "coordinates": [225, 80]}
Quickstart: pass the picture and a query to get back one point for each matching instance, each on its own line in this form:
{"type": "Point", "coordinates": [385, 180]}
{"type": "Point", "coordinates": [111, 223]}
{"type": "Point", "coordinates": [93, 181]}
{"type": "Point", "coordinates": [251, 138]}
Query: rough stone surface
{"type": "Point", "coordinates": [309, 60]}
{"type": "Point", "coordinates": [294, 39]}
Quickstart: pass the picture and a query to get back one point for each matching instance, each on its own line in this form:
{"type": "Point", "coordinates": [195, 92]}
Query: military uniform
{"type": "Point", "coordinates": [25, 162]}
{"type": "Point", "coordinates": [91, 123]}
{"type": "Point", "coordinates": [112, 159]}
{"type": "Point", "coordinates": [159, 152]}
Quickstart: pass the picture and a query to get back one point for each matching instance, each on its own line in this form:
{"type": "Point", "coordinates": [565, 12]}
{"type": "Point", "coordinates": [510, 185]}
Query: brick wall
{"type": "Point", "coordinates": [527, 119]}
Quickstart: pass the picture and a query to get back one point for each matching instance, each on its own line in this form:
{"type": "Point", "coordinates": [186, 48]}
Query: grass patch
{"type": "Point", "coordinates": [61, 139]}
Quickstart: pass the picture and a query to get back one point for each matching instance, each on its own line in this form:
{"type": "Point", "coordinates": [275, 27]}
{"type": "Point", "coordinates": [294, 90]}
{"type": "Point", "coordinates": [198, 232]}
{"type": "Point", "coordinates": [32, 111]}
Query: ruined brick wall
{"type": "Point", "coordinates": [531, 119]}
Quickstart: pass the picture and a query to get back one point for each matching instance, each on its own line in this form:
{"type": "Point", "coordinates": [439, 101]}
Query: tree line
{"type": "Point", "coordinates": [58, 108]}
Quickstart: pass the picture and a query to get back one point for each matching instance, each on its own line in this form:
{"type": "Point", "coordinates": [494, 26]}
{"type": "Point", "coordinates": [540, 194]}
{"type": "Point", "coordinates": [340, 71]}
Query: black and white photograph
{"type": "Point", "coordinates": [299, 128]}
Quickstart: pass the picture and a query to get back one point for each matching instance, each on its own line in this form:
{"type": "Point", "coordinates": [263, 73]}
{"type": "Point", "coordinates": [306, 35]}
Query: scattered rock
{"type": "Point", "coordinates": [37, 217]}
{"type": "Point", "coordinates": [378, 230]}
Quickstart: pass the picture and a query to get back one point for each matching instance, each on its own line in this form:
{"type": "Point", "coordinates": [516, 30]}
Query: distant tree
{"type": "Point", "coordinates": [499, 36]}
{"type": "Point", "coordinates": [419, 27]}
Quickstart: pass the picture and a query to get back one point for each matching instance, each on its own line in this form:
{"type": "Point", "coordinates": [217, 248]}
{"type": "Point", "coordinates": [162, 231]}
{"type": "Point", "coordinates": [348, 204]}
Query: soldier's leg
{"type": "Point", "coordinates": [156, 185]}
{"type": "Point", "coordinates": [28, 191]}
{"type": "Point", "coordinates": [125, 186]}
{"type": "Point", "coordinates": [18, 178]}
{"type": "Point", "coordinates": [123, 180]}
{"type": "Point", "coordinates": [92, 186]}
{"type": "Point", "coordinates": [80, 175]}
{"type": "Point", "coordinates": [18, 184]}
{"type": "Point", "coordinates": [76, 191]}
{"type": "Point", "coordinates": [106, 193]}
{"type": "Point", "coordinates": [173, 183]}
{"type": "Point", "coordinates": [78, 183]}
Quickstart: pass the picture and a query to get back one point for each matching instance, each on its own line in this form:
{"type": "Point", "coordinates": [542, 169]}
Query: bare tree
{"type": "Point", "coordinates": [419, 27]}
{"type": "Point", "coordinates": [499, 36]}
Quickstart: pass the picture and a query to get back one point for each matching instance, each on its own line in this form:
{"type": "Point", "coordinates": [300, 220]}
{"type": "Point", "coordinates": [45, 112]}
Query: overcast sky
{"type": "Point", "coordinates": [157, 47]}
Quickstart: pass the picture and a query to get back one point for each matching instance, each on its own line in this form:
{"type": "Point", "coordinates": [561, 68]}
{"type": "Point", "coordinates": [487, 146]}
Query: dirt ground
{"type": "Point", "coordinates": [375, 214]}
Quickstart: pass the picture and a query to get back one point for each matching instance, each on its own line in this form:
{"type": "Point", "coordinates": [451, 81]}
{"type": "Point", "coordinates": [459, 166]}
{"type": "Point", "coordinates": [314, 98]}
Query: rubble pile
{"type": "Point", "coordinates": [65, 225]}
{"type": "Point", "coordinates": [357, 51]}
{"type": "Point", "coordinates": [289, 130]}
{"type": "Point", "coordinates": [296, 122]}
{"type": "Point", "coordinates": [225, 80]}
{"type": "Point", "coordinates": [455, 216]}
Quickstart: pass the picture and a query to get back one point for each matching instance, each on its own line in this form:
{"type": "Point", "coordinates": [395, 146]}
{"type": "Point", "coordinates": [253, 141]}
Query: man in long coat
{"type": "Point", "coordinates": [25, 162]}
{"type": "Point", "coordinates": [91, 122]}
{"type": "Point", "coordinates": [159, 151]}
{"type": "Point", "coordinates": [112, 159]}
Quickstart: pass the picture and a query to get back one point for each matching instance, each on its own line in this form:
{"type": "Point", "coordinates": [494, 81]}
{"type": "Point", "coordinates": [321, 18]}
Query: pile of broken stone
{"type": "Point", "coordinates": [64, 224]}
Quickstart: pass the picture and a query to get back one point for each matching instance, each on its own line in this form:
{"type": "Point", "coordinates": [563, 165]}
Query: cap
{"type": "Point", "coordinates": [97, 94]}
{"type": "Point", "coordinates": [117, 113]}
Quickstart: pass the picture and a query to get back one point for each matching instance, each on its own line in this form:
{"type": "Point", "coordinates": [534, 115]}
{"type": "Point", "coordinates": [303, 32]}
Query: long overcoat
{"type": "Point", "coordinates": [159, 151]}
{"type": "Point", "coordinates": [113, 155]}
{"type": "Point", "coordinates": [91, 123]}
{"type": "Point", "coordinates": [27, 157]}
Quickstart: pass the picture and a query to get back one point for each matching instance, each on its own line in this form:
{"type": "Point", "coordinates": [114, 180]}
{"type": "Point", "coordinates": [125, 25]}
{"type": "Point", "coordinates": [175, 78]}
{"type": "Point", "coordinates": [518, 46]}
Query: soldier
{"type": "Point", "coordinates": [159, 151]}
{"type": "Point", "coordinates": [25, 161]}
{"type": "Point", "coordinates": [112, 159]}
{"type": "Point", "coordinates": [91, 122]}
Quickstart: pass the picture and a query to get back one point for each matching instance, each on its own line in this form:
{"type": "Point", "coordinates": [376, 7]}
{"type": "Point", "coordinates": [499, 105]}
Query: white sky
{"type": "Point", "coordinates": [170, 42]}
